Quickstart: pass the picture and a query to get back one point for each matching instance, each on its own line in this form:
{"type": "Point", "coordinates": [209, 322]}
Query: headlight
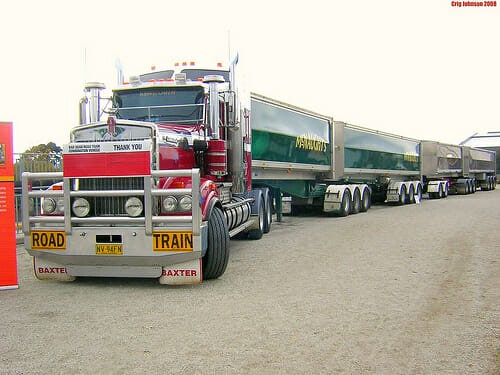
{"type": "Point", "coordinates": [185, 203]}
{"type": "Point", "coordinates": [170, 204]}
{"type": "Point", "coordinates": [133, 206]}
{"type": "Point", "coordinates": [81, 207]}
{"type": "Point", "coordinates": [48, 205]}
{"type": "Point", "coordinates": [60, 205]}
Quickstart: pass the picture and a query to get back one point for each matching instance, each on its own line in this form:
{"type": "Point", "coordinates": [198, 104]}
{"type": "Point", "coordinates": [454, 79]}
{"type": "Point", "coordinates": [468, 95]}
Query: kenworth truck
{"type": "Point", "coordinates": [156, 183]}
{"type": "Point", "coordinates": [154, 189]}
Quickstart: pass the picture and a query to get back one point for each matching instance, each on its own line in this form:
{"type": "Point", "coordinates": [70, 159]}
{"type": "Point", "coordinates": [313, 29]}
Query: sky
{"type": "Point", "coordinates": [426, 69]}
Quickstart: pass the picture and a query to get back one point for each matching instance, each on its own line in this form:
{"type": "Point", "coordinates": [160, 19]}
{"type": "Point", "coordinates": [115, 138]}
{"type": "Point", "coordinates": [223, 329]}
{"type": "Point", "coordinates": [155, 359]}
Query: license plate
{"type": "Point", "coordinates": [48, 240]}
{"type": "Point", "coordinates": [173, 241]}
{"type": "Point", "coordinates": [109, 249]}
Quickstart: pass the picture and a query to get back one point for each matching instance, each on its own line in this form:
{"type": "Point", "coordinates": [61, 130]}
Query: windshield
{"type": "Point", "coordinates": [181, 105]}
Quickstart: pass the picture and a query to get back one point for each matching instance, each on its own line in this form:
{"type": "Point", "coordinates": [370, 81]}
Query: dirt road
{"type": "Point", "coordinates": [398, 290]}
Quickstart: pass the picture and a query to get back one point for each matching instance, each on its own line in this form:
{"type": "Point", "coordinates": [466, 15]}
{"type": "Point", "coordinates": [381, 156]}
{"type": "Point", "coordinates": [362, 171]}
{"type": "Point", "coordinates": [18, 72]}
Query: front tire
{"type": "Point", "coordinates": [217, 255]}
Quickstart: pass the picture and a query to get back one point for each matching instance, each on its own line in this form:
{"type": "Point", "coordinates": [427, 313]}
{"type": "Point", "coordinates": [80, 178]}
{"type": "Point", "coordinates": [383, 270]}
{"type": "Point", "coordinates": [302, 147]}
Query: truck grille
{"type": "Point", "coordinates": [110, 206]}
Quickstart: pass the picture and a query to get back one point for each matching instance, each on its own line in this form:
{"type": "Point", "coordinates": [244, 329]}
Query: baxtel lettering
{"type": "Point", "coordinates": [311, 142]}
{"type": "Point", "coordinates": [48, 240]}
{"type": "Point", "coordinates": [173, 241]}
{"type": "Point", "coordinates": [48, 270]}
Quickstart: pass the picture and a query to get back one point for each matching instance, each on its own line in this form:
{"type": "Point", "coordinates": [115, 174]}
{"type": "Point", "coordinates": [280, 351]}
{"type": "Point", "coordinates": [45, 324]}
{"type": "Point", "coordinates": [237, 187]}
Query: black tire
{"type": "Point", "coordinates": [419, 193]}
{"type": "Point", "coordinates": [411, 195]}
{"type": "Point", "coordinates": [366, 200]}
{"type": "Point", "coordinates": [217, 255]}
{"type": "Point", "coordinates": [256, 234]}
{"type": "Point", "coordinates": [345, 205]}
{"type": "Point", "coordinates": [356, 202]}
{"type": "Point", "coordinates": [442, 191]}
{"type": "Point", "coordinates": [268, 214]}
{"type": "Point", "coordinates": [403, 197]}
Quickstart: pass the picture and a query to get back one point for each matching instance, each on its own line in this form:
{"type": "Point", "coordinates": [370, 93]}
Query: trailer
{"type": "Point", "coordinates": [315, 162]}
{"type": "Point", "coordinates": [452, 169]}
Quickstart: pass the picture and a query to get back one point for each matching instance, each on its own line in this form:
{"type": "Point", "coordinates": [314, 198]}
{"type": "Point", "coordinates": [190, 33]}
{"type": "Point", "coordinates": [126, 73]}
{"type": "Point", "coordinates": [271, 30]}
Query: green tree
{"type": "Point", "coordinates": [40, 158]}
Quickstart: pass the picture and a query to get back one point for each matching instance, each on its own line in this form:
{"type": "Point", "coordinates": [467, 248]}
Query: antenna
{"type": "Point", "coordinates": [229, 45]}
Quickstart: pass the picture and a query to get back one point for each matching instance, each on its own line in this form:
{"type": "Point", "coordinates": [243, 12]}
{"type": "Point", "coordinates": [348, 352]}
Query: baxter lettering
{"type": "Point", "coordinates": [181, 272]}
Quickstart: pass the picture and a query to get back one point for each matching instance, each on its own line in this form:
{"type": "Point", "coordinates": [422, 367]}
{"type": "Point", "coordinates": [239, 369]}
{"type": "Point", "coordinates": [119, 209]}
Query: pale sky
{"type": "Point", "coordinates": [422, 69]}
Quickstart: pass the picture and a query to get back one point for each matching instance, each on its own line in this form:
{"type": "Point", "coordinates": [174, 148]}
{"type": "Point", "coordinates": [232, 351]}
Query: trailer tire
{"type": "Point", "coordinates": [403, 196]}
{"type": "Point", "coordinates": [217, 255]}
{"type": "Point", "coordinates": [256, 234]}
{"type": "Point", "coordinates": [268, 213]}
{"type": "Point", "coordinates": [356, 202]}
{"type": "Point", "coordinates": [419, 193]}
{"type": "Point", "coordinates": [366, 200]}
{"type": "Point", "coordinates": [345, 205]}
{"type": "Point", "coordinates": [411, 195]}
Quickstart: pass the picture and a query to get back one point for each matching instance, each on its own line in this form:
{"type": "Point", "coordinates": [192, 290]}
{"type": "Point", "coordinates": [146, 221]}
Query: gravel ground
{"type": "Point", "coordinates": [398, 290]}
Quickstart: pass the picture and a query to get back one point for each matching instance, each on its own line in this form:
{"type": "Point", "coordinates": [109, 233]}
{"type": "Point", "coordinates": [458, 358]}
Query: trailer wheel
{"type": "Point", "coordinates": [356, 202]}
{"type": "Point", "coordinates": [366, 201]}
{"type": "Point", "coordinates": [217, 255]}
{"type": "Point", "coordinates": [411, 195]}
{"type": "Point", "coordinates": [268, 214]}
{"type": "Point", "coordinates": [256, 234]}
{"type": "Point", "coordinates": [345, 206]}
{"type": "Point", "coordinates": [419, 193]}
{"type": "Point", "coordinates": [403, 197]}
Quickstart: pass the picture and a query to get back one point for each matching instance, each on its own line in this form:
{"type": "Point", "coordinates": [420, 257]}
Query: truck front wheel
{"type": "Point", "coordinates": [217, 255]}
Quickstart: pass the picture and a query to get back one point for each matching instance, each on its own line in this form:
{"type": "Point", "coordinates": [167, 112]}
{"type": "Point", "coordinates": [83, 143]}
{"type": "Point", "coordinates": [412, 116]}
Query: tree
{"type": "Point", "coordinates": [40, 158]}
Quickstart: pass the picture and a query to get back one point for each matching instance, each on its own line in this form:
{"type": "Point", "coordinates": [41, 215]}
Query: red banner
{"type": "Point", "coordinates": [8, 259]}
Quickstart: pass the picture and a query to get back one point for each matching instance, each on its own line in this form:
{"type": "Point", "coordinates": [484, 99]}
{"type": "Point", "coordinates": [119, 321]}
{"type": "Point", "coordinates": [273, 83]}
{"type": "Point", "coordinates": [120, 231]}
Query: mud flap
{"type": "Point", "coordinates": [45, 270]}
{"type": "Point", "coordinates": [182, 273]}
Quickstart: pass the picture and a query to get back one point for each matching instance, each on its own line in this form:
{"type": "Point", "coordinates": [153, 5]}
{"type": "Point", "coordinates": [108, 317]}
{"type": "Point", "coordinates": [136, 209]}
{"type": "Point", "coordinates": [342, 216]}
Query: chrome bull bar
{"type": "Point", "coordinates": [149, 219]}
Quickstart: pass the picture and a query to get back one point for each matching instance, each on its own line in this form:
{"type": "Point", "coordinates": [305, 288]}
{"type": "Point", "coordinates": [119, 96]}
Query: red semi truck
{"type": "Point", "coordinates": [150, 190]}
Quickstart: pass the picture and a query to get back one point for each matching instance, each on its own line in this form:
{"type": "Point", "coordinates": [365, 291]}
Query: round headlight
{"type": "Point", "coordinates": [170, 203]}
{"type": "Point", "coordinates": [133, 206]}
{"type": "Point", "coordinates": [185, 203]}
{"type": "Point", "coordinates": [60, 205]}
{"type": "Point", "coordinates": [81, 207]}
{"type": "Point", "coordinates": [48, 205]}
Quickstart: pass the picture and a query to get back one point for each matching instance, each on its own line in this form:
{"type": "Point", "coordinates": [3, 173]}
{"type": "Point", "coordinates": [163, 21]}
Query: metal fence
{"type": "Point", "coordinates": [27, 162]}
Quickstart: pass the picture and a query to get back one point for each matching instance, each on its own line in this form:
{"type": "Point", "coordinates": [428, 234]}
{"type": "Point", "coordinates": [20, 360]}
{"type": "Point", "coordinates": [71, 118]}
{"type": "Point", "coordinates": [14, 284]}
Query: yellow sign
{"type": "Point", "coordinates": [48, 240]}
{"type": "Point", "coordinates": [109, 249]}
{"type": "Point", "coordinates": [173, 241]}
